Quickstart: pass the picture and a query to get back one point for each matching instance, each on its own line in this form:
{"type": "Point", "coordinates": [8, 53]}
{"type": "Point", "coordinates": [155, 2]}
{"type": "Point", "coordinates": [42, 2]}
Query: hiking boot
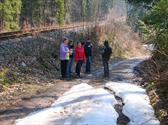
{"type": "Point", "coordinates": [87, 72]}
{"type": "Point", "coordinates": [68, 79]}
{"type": "Point", "coordinates": [62, 78]}
{"type": "Point", "coordinates": [78, 77]}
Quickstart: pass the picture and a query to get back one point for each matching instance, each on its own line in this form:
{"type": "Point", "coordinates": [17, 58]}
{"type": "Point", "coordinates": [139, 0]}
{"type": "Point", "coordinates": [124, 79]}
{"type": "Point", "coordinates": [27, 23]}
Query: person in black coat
{"type": "Point", "coordinates": [88, 52]}
{"type": "Point", "coordinates": [106, 54]}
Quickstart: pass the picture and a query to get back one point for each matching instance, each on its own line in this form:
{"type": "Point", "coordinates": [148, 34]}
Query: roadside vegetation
{"type": "Point", "coordinates": [154, 30]}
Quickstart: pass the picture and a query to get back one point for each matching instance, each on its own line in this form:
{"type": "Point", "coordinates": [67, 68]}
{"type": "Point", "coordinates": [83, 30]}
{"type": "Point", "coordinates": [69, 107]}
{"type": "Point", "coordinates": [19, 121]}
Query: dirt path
{"type": "Point", "coordinates": [43, 98]}
{"type": "Point", "coordinates": [39, 96]}
{"type": "Point", "coordinates": [21, 99]}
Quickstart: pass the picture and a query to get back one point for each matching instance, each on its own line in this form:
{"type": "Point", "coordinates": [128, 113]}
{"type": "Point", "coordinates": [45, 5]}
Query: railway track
{"type": "Point", "coordinates": [34, 31]}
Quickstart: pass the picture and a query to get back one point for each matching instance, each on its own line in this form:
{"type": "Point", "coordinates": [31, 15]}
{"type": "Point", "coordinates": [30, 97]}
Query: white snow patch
{"type": "Point", "coordinates": [137, 105]}
{"type": "Point", "coordinates": [150, 47]}
{"type": "Point", "coordinates": [81, 105]}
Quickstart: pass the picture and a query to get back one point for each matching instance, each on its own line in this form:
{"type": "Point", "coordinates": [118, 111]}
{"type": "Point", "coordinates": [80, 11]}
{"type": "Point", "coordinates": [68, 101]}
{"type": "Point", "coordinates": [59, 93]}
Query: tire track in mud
{"type": "Point", "coordinates": [122, 119]}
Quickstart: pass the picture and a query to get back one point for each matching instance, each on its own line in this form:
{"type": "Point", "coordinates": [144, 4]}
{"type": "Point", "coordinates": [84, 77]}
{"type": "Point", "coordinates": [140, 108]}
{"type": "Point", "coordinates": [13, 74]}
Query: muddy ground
{"type": "Point", "coordinates": [23, 99]}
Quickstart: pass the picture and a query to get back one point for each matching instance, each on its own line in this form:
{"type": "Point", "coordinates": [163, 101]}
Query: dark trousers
{"type": "Point", "coordinates": [78, 67]}
{"type": "Point", "coordinates": [88, 64]}
{"type": "Point", "coordinates": [64, 64]}
{"type": "Point", "coordinates": [106, 68]}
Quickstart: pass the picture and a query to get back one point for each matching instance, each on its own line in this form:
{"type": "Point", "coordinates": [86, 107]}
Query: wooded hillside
{"type": "Point", "coordinates": [16, 14]}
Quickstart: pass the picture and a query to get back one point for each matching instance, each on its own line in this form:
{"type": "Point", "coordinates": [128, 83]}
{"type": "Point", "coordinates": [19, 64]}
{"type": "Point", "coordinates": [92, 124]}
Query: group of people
{"type": "Point", "coordinates": [80, 53]}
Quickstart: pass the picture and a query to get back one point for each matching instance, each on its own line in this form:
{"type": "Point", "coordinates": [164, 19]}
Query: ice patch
{"type": "Point", "coordinates": [137, 104]}
{"type": "Point", "coordinates": [82, 104]}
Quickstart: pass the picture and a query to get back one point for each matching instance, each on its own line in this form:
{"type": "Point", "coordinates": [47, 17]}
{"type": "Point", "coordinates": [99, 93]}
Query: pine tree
{"type": "Point", "coordinates": [106, 5]}
{"type": "Point", "coordinates": [60, 14]}
{"type": "Point", "coordinates": [14, 13]}
{"type": "Point", "coordinates": [157, 25]}
{"type": "Point", "coordinates": [33, 11]}
{"type": "Point", "coordinates": [10, 14]}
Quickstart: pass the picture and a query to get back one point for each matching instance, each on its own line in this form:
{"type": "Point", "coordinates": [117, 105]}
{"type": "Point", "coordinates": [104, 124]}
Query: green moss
{"type": "Point", "coordinates": [8, 76]}
{"type": "Point", "coordinates": [3, 76]}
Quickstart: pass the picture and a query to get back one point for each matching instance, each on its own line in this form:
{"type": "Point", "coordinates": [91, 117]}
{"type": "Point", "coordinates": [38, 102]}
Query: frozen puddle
{"type": "Point", "coordinates": [137, 105]}
{"type": "Point", "coordinates": [81, 105]}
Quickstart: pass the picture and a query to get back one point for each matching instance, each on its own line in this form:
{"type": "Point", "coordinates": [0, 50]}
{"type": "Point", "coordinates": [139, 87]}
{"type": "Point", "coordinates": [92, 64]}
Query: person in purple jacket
{"type": "Point", "coordinates": [64, 57]}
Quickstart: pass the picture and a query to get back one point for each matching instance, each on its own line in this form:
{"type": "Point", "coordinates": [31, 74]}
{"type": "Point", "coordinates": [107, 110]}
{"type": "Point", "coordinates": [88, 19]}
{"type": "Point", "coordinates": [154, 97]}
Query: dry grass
{"type": "Point", "coordinates": [124, 41]}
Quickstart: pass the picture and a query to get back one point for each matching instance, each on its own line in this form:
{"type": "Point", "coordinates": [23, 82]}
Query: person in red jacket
{"type": "Point", "coordinates": [80, 58]}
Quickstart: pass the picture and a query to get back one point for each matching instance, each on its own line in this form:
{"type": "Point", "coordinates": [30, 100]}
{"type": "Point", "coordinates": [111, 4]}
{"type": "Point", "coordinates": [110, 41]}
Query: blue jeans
{"type": "Point", "coordinates": [69, 67]}
{"type": "Point", "coordinates": [88, 64]}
